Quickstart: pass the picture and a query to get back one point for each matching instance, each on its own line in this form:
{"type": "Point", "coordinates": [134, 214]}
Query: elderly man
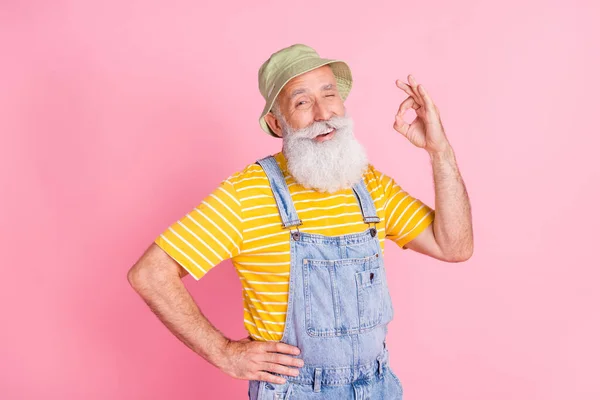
{"type": "Point", "coordinates": [305, 230]}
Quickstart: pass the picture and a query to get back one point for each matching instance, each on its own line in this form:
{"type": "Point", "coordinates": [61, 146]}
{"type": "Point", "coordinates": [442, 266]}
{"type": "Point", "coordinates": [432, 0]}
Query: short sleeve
{"type": "Point", "coordinates": [208, 234]}
{"type": "Point", "coordinates": [405, 216]}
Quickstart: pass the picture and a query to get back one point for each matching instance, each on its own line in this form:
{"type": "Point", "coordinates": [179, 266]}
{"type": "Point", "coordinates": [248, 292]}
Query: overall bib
{"type": "Point", "coordinates": [338, 308]}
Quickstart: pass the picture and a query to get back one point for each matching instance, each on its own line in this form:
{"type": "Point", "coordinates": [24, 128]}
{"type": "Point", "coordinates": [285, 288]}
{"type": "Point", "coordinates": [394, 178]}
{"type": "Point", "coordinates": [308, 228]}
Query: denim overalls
{"type": "Point", "coordinates": [338, 308]}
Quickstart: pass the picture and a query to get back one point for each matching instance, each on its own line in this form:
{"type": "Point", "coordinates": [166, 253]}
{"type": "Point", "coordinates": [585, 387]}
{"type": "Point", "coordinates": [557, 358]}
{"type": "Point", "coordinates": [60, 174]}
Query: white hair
{"type": "Point", "coordinates": [276, 109]}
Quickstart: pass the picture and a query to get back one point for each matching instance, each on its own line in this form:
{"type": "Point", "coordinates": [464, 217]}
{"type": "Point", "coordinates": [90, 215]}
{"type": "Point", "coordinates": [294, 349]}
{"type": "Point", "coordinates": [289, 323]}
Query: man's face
{"type": "Point", "coordinates": [312, 96]}
{"type": "Point", "coordinates": [318, 139]}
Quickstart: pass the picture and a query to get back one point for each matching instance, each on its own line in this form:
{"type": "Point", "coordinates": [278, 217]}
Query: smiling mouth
{"type": "Point", "coordinates": [326, 135]}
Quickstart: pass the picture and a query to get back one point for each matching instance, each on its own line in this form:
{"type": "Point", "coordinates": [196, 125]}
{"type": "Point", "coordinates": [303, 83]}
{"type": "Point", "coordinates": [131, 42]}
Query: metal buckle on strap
{"type": "Point", "coordinates": [373, 229]}
{"type": "Point", "coordinates": [296, 234]}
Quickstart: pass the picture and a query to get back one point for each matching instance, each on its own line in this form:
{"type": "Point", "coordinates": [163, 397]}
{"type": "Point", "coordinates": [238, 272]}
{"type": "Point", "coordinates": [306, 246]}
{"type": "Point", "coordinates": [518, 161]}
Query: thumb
{"type": "Point", "coordinates": [401, 126]}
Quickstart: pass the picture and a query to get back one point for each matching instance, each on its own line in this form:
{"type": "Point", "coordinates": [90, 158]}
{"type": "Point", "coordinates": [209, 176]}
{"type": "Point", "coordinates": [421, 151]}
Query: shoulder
{"type": "Point", "coordinates": [376, 180]}
{"type": "Point", "coordinates": [250, 174]}
{"type": "Point", "coordinates": [249, 181]}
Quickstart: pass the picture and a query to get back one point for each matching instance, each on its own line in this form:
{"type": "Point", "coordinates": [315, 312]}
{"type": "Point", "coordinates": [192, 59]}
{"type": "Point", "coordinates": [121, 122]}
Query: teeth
{"type": "Point", "coordinates": [326, 132]}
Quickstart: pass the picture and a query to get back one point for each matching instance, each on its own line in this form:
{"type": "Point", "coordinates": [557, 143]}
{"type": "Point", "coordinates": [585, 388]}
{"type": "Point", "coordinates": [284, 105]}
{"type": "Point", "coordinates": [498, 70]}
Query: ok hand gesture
{"type": "Point", "coordinates": [426, 131]}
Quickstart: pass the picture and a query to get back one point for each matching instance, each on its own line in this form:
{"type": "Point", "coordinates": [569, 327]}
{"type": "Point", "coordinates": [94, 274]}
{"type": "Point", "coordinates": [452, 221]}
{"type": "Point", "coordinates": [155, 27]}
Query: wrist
{"type": "Point", "coordinates": [220, 355]}
{"type": "Point", "coordinates": [215, 351]}
{"type": "Point", "coordinates": [443, 153]}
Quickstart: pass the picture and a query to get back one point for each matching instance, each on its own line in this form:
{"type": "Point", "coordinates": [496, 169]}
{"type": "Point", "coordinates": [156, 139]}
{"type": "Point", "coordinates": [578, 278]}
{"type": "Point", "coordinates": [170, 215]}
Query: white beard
{"type": "Point", "coordinates": [327, 166]}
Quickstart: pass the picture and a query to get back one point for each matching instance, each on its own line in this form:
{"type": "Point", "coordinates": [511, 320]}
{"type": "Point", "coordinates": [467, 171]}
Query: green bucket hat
{"type": "Point", "coordinates": [290, 62]}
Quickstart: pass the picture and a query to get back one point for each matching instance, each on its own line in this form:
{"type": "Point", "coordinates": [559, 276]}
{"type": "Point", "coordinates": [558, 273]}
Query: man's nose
{"type": "Point", "coordinates": [322, 112]}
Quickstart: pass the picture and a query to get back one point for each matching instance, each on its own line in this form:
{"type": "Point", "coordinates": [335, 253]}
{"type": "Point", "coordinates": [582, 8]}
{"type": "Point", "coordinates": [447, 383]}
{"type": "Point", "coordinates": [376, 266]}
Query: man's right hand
{"type": "Point", "coordinates": [255, 360]}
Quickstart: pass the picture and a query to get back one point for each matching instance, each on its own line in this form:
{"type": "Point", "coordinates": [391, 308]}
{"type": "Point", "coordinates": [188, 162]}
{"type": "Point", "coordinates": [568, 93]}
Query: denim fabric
{"type": "Point", "coordinates": [338, 309]}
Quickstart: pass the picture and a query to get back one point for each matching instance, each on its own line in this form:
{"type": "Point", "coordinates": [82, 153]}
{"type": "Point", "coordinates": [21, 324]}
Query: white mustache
{"type": "Point", "coordinates": [320, 127]}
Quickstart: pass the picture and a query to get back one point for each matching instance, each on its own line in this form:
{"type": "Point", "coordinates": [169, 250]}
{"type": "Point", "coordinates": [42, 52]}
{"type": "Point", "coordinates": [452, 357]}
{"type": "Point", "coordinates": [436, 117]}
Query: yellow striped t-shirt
{"type": "Point", "coordinates": [239, 220]}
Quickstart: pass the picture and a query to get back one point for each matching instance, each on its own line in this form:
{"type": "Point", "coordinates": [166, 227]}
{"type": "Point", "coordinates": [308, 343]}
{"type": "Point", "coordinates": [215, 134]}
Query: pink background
{"type": "Point", "coordinates": [117, 117]}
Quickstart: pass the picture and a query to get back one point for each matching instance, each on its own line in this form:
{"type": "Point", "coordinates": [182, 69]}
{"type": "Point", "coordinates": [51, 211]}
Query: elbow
{"type": "Point", "coordinates": [136, 277]}
{"type": "Point", "coordinates": [153, 270]}
{"type": "Point", "coordinates": [461, 255]}
{"type": "Point", "coordinates": [460, 258]}
{"type": "Point", "coordinates": [140, 276]}
{"type": "Point", "coordinates": [147, 276]}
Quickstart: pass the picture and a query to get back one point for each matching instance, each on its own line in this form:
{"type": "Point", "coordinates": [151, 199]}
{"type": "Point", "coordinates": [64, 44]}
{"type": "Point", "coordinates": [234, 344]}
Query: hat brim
{"type": "Point", "coordinates": [340, 69]}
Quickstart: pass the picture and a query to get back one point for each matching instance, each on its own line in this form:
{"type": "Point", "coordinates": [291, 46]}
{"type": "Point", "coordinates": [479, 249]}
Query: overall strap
{"type": "Point", "coordinates": [365, 201]}
{"type": "Point", "coordinates": [281, 193]}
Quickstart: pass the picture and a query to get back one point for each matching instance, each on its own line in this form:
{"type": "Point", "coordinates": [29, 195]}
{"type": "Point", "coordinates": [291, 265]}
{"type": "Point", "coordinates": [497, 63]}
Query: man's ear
{"type": "Point", "coordinates": [274, 124]}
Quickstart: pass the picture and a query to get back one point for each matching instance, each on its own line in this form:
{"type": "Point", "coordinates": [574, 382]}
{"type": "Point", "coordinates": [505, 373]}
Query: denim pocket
{"type": "Point", "coordinates": [273, 391]}
{"type": "Point", "coordinates": [370, 297]}
{"type": "Point", "coordinates": [343, 297]}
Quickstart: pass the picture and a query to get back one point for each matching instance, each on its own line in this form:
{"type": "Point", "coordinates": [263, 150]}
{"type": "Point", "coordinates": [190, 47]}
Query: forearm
{"type": "Point", "coordinates": [168, 298]}
{"type": "Point", "coordinates": [452, 225]}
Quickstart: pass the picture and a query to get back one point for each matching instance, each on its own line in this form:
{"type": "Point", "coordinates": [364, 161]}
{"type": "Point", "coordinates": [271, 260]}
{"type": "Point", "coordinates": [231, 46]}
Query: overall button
{"type": "Point", "coordinates": [373, 232]}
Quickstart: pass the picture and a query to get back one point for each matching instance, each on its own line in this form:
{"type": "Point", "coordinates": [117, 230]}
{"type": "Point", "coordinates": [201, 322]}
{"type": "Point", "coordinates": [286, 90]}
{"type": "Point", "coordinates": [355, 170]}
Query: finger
{"type": "Point", "coordinates": [401, 126]}
{"type": "Point", "coordinates": [429, 106]}
{"type": "Point", "coordinates": [283, 360]}
{"type": "Point", "coordinates": [267, 377]}
{"type": "Point", "coordinates": [278, 347]}
{"type": "Point", "coordinates": [279, 369]}
{"type": "Point", "coordinates": [405, 87]}
{"type": "Point", "coordinates": [409, 90]}
{"type": "Point", "coordinates": [405, 105]}
{"type": "Point", "coordinates": [413, 84]}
